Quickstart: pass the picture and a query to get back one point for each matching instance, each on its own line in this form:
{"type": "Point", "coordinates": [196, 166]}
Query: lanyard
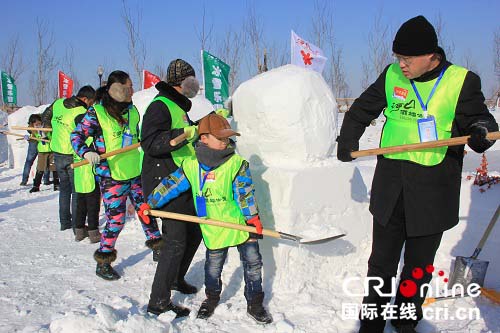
{"type": "Point", "coordinates": [424, 106]}
{"type": "Point", "coordinates": [202, 182]}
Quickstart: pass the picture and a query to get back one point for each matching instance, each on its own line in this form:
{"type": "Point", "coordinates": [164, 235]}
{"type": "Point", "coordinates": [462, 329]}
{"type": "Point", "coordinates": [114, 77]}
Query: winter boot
{"type": "Point", "coordinates": [256, 310]}
{"type": "Point", "coordinates": [208, 306]}
{"type": "Point", "coordinates": [81, 234]}
{"type": "Point", "coordinates": [160, 307]}
{"type": "Point", "coordinates": [155, 245]}
{"type": "Point", "coordinates": [37, 181]}
{"type": "Point", "coordinates": [94, 236]}
{"type": "Point", "coordinates": [104, 269]}
{"type": "Point", "coordinates": [183, 287]}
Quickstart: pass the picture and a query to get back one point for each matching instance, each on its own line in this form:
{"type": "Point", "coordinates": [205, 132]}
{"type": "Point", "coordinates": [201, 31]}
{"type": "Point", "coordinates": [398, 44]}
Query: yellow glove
{"type": "Point", "coordinates": [223, 113]}
{"type": "Point", "coordinates": [191, 133]}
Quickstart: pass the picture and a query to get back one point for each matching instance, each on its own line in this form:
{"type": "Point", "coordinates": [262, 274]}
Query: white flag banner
{"type": "Point", "coordinates": [307, 55]}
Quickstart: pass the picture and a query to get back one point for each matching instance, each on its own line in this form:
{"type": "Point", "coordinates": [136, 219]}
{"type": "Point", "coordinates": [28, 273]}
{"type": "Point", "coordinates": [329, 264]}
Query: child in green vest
{"type": "Point", "coordinates": [45, 159]}
{"type": "Point", "coordinates": [222, 187]}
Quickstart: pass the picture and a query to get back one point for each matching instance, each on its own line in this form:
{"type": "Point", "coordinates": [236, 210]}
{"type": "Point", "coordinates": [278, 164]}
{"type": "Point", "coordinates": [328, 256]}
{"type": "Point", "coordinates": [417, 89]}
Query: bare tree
{"type": "Point", "coordinates": [253, 32]}
{"type": "Point", "coordinates": [46, 63]}
{"type": "Point", "coordinates": [160, 70]}
{"type": "Point", "coordinates": [205, 33]}
{"type": "Point", "coordinates": [379, 50]}
{"type": "Point", "coordinates": [229, 49]}
{"type": "Point", "coordinates": [136, 47]}
{"type": "Point", "coordinates": [68, 66]}
{"type": "Point", "coordinates": [468, 63]}
{"type": "Point", "coordinates": [324, 38]}
{"type": "Point", "coordinates": [447, 45]}
{"type": "Point", "coordinates": [496, 54]}
{"type": "Point", "coordinates": [12, 60]}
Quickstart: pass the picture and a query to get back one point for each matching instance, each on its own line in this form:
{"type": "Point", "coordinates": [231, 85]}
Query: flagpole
{"type": "Point", "coordinates": [203, 72]}
{"type": "Point", "coordinates": [143, 79]}
{"type": "Point", "coordinates": [1, 89]}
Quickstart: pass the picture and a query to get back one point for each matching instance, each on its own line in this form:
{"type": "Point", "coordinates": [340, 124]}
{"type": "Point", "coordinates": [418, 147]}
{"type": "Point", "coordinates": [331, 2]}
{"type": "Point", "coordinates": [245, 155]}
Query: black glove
{"type": "Point", "coordinates": [477, 140]}
{"type": "Point", "coordinates": [344, 150]}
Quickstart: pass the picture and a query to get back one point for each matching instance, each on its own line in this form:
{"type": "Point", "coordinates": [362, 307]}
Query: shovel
{"type": "Point", "coordinates": [469, 270]}
{"type": "Point", "coordinates": [265, 232]}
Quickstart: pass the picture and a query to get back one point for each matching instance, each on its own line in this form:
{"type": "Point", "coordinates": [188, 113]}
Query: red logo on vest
{"type": "Point", "coordinates": [400, 93]}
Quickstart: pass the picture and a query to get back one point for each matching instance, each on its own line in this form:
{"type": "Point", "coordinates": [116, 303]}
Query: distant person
{"type": "Point", "coordinates": [32, 153]}
{"type": "Point", "coordinates": [45, 158]}
{"type": "Point", "coordinates": [166, 118]}
{"type": "Point", "coordinates": [60, 116]}
{"type": "Point", "coordinates": [415, 195]}
{"type": "Point", "coordinates": [114, 124]}
{"type": "Point", "coordinates": [219, 181]}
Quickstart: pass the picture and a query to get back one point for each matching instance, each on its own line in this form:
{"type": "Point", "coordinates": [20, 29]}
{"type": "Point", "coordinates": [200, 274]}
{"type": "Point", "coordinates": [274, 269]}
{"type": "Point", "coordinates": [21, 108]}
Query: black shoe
{"type": "Point", "coordinates": [184, 287]}
{"type": "Point", "coordinates": [207, 308]}
{"type": "Point", "coordinates": [156, 255]}
{"type": "Point", "coordinates": [106, 272]}
{"type": "Point", "coordinates": [65, 227]}
{"type": "Point", "coordinates": [165, 306]}
{"type": "Point", "coordinates": [256, 310]}
{"type": "Point", "coordinates": [23, 183]}
{"type": "Point", "coordinates": [48, 183]}
{"type": "Point", "coordinates": [56, 187]}
{"type": "Point", "coordinates": [35, 189]}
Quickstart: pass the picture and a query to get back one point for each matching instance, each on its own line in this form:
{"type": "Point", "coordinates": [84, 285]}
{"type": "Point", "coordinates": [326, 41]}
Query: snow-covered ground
{"type": "Point", "coordinates": [48, 282]}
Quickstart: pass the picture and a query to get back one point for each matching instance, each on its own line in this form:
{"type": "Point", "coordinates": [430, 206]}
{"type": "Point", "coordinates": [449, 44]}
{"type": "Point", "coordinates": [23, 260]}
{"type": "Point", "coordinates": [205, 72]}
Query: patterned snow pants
{"type": "Point", "coordinates": [114, 195]}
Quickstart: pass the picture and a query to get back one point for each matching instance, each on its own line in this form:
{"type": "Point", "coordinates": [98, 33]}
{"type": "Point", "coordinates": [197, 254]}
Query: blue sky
{"type": "Point", "coordinates": [97, 34]}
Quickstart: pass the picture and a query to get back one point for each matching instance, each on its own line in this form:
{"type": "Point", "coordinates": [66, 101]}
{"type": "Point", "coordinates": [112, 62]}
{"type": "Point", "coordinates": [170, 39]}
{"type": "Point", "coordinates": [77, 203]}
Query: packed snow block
{"type": "Point", "coordinates": [287, 113]}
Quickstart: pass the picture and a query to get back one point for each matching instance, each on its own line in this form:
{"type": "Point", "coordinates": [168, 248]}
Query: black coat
{"type": "Point", "coordinates": [431, 194]}
{"type": "Point", "coordinates": [156, 133]}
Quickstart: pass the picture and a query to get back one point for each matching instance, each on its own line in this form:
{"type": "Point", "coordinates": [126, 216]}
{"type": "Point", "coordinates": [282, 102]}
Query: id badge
{"type": "Point", "coordinates": [201, 206]}
{"type": "Point", "coordinates": [127, 139]}
{"type": "Point", "coordinates": [427, 129]}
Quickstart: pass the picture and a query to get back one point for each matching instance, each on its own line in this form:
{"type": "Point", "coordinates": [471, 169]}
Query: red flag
{"type": "Point", "coordinates": [65, 85]}
{"type": "Point", "coordinates": [149, 79]}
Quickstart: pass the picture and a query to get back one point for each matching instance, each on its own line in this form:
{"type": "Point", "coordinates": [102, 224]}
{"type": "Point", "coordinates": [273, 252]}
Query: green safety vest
{"type": "Point", "coordinates": [403, 110]}
{"type": "Point", "coordinates": [42, 146]}
{"type": "Point", "coordinates": [179, 120]}
{"type": "Point", "coordinates": [63, 123]}
{"type": "Point", "coordinates": [84, 175]}
{"type": "Point", "coordinates": [126, 165]}
{"type": "Point", "coordinates": [218, 193]}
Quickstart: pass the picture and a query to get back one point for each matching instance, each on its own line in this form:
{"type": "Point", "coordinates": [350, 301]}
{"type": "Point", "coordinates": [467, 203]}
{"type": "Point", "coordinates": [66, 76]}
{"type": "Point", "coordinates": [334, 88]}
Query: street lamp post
{"type": "Point", "coordinates": [100, 72]}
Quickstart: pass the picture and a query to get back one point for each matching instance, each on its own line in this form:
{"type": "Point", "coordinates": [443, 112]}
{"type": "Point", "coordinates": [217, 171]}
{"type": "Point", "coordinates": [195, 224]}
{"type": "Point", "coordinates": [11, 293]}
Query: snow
{"type": "Point", "coordinates": [48, 282]}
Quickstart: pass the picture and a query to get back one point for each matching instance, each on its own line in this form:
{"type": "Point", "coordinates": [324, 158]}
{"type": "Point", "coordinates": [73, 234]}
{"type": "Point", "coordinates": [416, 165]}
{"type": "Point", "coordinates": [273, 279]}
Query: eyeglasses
{"type": "Point", "coordinates": [405, 60]}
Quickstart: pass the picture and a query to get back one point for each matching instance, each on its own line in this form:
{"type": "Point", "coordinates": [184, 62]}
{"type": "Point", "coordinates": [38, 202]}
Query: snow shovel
{"type": "Point", "coordinates": [265, 232]}
{"type": "Point", "coordinates": [461, 140]}
{"type": "Point", "coordinates": [471, 270]}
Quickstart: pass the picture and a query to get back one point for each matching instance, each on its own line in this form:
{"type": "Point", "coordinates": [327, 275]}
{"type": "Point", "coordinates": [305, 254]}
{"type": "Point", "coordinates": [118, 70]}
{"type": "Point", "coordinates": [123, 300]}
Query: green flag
{"type": "Point", "coordinates": [216, 79]}
{"type": "Point", "coordinates": [9, 89]}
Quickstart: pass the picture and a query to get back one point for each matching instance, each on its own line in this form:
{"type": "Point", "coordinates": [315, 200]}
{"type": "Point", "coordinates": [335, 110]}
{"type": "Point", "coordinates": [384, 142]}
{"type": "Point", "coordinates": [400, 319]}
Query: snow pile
{"type": "Point", "coordinates": [287, 121]}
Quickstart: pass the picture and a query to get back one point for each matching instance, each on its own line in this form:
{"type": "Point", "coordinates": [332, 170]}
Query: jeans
{"type": "Point", "coordinates": [67, 194]}
{"type": "Point", "coordinates": [252, 269]}
{"type": "Point", "coordinates": [30, 158]}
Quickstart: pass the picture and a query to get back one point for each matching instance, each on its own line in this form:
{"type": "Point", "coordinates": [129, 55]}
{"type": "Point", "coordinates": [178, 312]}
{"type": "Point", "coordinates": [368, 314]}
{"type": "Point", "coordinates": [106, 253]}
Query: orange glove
{"type": "Point", "coordinates": [255, 221]}
{"type": "Point", "coordinates": [142, 216]}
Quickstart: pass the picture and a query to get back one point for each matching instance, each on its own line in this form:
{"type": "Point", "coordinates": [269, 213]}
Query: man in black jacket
{"type": "Point", "coordinates": [165, 119]}
{"type": "Point", "coordinates": [415, 195]}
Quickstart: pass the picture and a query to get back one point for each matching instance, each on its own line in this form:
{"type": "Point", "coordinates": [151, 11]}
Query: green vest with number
{"type": "Point", "coordinates": [218, 194]}
{"type": "Point", "coordinates": [84, 175]}
{"type": "Point", "coordinates": [179, 120]}
{"type": "Point", "coordinates": [126, 165]}
{"type": "Point", "coordinates": [42, 146]}
{"type": "Point", "coordinates": [63, 123]}
{"type": "Point", "coordinates": [403, 110]}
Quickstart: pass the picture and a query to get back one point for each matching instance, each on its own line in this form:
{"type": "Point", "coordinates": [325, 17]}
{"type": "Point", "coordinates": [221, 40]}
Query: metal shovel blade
{"type": "Point", "coordinates": [468, 270]}
{"type": "Point", "coordinates": [320, 241]}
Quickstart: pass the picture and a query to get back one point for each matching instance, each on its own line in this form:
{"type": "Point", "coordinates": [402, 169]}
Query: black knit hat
{"type": "Point", "coordinates": [415, 37]}
{"type": "Point", "coordinates": [177, 71]}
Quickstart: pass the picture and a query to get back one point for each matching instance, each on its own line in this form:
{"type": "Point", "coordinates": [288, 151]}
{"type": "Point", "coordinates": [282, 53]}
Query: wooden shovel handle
{"type": "Point", "coordinates": [175, 141]}
{"type": "Point", "coordinates": [22, 136]}
{"type": "Point", "coordinates": [199, 220]}
{"type": "Point", "coordinates": [419, 146]}
{"type": "Point", "coordinates": [106, 155]}
{"type": "Point", "coordinates": [41, 129]}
